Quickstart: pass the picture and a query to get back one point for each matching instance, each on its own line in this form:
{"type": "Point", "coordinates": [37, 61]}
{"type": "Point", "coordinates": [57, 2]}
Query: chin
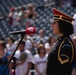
{"type": "Point", "coordinates": [55, 32]}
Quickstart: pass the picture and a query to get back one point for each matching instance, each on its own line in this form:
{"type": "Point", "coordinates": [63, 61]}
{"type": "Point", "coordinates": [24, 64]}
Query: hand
{"type": "Point", "coordinates": [19, 63]}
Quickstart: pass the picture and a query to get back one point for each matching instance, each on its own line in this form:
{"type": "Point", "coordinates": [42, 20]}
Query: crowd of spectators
{"type": "Point", "coordinates": [22, 16]}
{"type": "Point", "coordinates": [36, 48]}
{"type": "Point", "coordinates": [36, 51]}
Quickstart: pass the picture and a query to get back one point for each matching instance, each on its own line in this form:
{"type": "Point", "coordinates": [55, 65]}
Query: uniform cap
{"type": "Point", "coordinates": [58, 15]}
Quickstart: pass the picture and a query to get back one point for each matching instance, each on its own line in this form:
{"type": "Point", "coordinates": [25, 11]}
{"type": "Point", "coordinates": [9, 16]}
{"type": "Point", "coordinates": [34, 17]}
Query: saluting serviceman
{"type": "Point", "coordinates": [61, 56]}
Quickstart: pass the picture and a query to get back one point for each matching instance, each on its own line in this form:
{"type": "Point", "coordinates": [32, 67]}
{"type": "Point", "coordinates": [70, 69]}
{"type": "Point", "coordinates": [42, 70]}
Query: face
{"type": "Point", "coordinates": [55, 28]}
{"type": "Point", "coordinates": [42, 50]}
{"type": "Point", "coordinates": [41, 33]}
{"type": "Point", "coordinates": [52, 40]}
{"type": "Point", "coordinates": [21, 47]}
{"type": "Point", "coordinates": [10, 41]}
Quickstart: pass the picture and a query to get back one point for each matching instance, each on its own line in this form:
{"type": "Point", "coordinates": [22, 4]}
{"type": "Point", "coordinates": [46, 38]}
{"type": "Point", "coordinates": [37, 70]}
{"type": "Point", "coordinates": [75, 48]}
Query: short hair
{"type": "Point", "coordinates": [2, 43]}
{"type": "Point", "coordinates": [41, 30]}
{"type": "Point", "coordinates": [65, 27]}
{"type": "Point", "coordinates": [22, 42]}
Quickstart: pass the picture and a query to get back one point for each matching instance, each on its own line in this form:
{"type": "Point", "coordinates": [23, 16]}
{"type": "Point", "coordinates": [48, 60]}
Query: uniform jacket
{"type": "Point", "coordinates": [61, 56]}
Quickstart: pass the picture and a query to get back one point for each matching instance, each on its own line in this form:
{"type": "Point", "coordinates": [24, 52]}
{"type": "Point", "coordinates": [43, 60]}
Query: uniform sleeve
{"type": "Point", "coordinates": [65, 59]}
{"type": "Point", "coordinates": [65, 53]}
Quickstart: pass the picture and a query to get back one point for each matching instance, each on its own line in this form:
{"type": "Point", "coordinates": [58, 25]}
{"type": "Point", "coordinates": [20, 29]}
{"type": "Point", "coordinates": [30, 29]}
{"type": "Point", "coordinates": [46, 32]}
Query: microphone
{"type": "Point", "coordinates": [28, 31]}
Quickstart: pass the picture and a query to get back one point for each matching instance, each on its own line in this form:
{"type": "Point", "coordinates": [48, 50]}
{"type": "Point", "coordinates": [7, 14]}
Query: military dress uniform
{"type": "Point", "coordinates": [61, 56]}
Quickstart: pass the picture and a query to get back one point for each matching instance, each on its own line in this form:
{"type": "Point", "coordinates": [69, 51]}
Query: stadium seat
{"type": "Point", "coordinates": [41, 21]}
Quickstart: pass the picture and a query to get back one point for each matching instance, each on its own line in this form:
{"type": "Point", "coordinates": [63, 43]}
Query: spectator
{"type": "Point", "coordinates": [41, 38]}
{"type": "Point", "coordinates": [24, 60]}
{"type": "Point", "coordinates": [4, 58]}
{"type": "Point", "coordinates": [13, 17]}
{"type": "Point", "coordinates": [30, 15]}
{"type": "Point", "coordinates": [10, 45]}
{"type": "Point", "coordinates": [21, 15]}
{"type": "Point", "coordinates": [49, 44]}
{"type": "Point", "coordinates": [28, 43]}
{"type": "Point", "coordinates": [40, 60]}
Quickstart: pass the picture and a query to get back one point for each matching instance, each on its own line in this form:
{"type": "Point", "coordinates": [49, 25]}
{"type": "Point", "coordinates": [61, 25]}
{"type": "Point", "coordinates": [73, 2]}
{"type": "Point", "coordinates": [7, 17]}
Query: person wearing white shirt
{"type": "Point", "coordinates": [10, 45]}
{"type": "Point", "coordinates": [40, 60]}
{"type": "Point", "coordinates": [13, 17]}
{"type": "Point", "coordinates": [23, 65]}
